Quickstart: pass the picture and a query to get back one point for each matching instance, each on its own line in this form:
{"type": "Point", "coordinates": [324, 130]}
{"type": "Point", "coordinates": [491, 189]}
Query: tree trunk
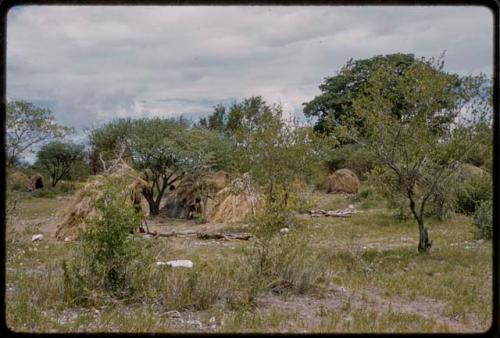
{"type": "Point", "coordinates": [423, 242]}
{"type": "Point", "coordinates": [54, 180]}
{"type": "Point", "coordinates": [156, 207]}
{"type": "Point", "coordinates": [148, 195]}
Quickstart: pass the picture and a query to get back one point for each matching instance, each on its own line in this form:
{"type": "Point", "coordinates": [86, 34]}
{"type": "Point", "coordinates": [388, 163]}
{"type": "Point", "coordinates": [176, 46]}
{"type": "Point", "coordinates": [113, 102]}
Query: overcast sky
{"type": "Point", "coordinates": [91, 64]}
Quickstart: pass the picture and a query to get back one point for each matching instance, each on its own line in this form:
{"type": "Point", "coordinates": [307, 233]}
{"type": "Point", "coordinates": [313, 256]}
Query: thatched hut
{"type": "Point", "coordinates": [189, 196]}
{"type": "Point", "coordinates": [342, 181]}
{"type": "Point", "coordinates": [235, 202]}
{"type": "Point", "coordinates": [186, 199]}
{"type": "Point", "coordinates": [81, 210]}
{"type": "Point", "coordinates": [36, 182]}
{"type": "Point", "coordinates": [467, 172]}
{"type": "Point", "coordinates": [19, 181]}
{"type": "Point", "coordinates": [218, 180]}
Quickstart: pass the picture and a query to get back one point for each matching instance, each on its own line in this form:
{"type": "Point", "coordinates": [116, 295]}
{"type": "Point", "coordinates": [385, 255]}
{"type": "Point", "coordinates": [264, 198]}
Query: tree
{"type": "Point", "coordinates": [166, 150]}
{"type": "Point", "coordinates": [58, 158]}
{"type": "Point", "coordinates": [335, 103]}
{"type": "Point", "coordinates": [106, 142]}
{"type": "Point", "coordinates": [420, 148]}
{"type": "Point", "coordinates": [240, 118]}
{"type": "Point", "coordinates": [28, 126]}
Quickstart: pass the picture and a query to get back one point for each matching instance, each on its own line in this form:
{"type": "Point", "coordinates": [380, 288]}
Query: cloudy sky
{"type": "Point", "coordinates": [91, 64]}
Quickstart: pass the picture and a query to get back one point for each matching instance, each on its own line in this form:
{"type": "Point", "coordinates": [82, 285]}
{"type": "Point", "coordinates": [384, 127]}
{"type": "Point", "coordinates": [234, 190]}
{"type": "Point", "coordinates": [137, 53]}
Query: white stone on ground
{"type": "Point", "coordinates": [184, 263]}
{"type": "Point", "coordinates": [38, 237]}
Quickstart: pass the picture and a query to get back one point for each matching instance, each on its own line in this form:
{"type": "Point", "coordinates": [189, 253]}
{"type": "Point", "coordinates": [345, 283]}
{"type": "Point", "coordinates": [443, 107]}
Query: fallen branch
{"type": "Point", "coordinates": [172, 233]}
{"type": "Point", "coordinates": [203, 235]}
{"type": "Point", "coordinates": [348, 212]}
{"type": "Point", "coordinates": [227, 236]}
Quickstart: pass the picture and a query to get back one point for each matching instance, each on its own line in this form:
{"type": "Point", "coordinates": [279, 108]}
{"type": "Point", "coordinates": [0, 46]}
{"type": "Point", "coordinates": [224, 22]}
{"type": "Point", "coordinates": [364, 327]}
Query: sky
{"type": "Point", "coordinates": [92, 64]}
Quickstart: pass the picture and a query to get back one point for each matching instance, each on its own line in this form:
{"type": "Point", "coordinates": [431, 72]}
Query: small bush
{"type": "Point", "coordinates": [45, 193]}
{"type": "Point", "coordinates": [106, 250]}
{"type": "Point", "coordinates": [367, 197]}
{"type": "Point", "coordinates": [65, 187]}
{"type": "Point", "coordinates": [483, 219]}
{"type": "Point", "coordinates": [200, 219]}
{"type": "Point", "coordinates": [354, 157]}
{"type": "Point", "coordinates": [469, 195]}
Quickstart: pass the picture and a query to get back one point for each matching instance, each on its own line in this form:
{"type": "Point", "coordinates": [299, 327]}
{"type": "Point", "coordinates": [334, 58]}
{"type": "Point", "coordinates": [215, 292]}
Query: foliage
{"type": "Point", "coordinates": [422, 145]}
{"type": "Point", "coordinates": [27, 126]}
{"type": "Point", "coordinates": [165, 150]}
{"type": "Point", "coordinates": [483, 219]}
{"type": "Point", "coordinates": [472, 193]}
{"type": "Point", "coordinates": [58, 159]}
{"type": "Point", "coordinates": [353, 157]}
{"type": "Point", "coordinates": [105, 250]}
{"type": "Point", "coordinates": [284, 261]}
{"type": "Point", "coordinates": [240, 118]}
{"type": "Point", "coordinates": [106, 142]}
{"type": "Point", "coordinates": [335, 104]}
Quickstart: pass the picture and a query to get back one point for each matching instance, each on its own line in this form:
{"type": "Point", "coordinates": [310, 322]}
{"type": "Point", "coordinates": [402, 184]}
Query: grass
{"type": "Point", "coordinates": [358, 274]}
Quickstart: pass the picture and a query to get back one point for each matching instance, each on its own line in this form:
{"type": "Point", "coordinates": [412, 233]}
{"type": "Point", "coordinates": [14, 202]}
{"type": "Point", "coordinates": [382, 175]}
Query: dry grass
{"type": "Point", "coordinates": [373, 280]}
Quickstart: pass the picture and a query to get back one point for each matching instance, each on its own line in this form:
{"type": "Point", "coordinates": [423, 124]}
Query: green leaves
{"type": "Point", "coordinates": [58, 158]}
{"type": "Point", "coordinates": [357, 79]}
{"type": "Point", "coordinates": [28, 125]}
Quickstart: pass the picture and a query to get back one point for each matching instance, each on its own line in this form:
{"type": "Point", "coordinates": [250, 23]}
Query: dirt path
{"type": "Point", "coordinates": [339, 298]}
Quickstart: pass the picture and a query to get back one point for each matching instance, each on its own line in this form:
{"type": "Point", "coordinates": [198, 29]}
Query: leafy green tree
{"type": "Point", "coordinates": [240, 118]}
{"type": "Point", "coordinates": [338, 93]}
{"type": "Point", "coordinates": [58, 159]}
{"type": "Point", "coordinates": [163, 149]}
{"type": "Point", "coordinates": [27, 126]}
{"type": "Point", "coordinates": [417, 158]}
{"type": "Point", "coordinates": [106, 142]}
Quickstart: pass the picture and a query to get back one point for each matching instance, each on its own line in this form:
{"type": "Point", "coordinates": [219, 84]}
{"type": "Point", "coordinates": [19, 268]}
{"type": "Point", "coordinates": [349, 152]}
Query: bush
{"type": "Point", "coordinates": [200, 219]}
{"type": "Point", "coordinates": [291, 265]}
{"type": "Point", "coordinates": [367, 197]}
{"type": "Point", "coordinates": [470, 194]}
{"type": "Point", "coordinates": [483, 219]}
{"type": "Point", "coordinates": [106, 250]}
{"type": "Point", "coordinates": [353, 157]}
{"type": "Point", "coordinates": [284, 261]}
{"type": "Point", "coordinates": [65, 187]}
{"type": "Point", "coordinates": [45, 193]}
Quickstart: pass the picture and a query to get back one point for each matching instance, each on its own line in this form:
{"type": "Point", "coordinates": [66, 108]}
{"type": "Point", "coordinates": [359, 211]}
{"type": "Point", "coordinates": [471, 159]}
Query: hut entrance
{"type": "Point", "coordinates": [38, 183]}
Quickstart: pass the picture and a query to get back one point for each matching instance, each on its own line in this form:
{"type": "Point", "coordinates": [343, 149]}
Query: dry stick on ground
{"type": "Point", "coordinates": [332, 213]}
{"type": "Point", "coordinates": [204, 235]}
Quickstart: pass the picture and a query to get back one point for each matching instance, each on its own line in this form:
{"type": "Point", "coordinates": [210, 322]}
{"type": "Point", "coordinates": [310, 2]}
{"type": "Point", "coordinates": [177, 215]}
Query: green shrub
{"type": "Point", "coordinates": [353, 157]}
{"type": "Point", "coordinates": [200, 219]}
{"type": "Point", "coordinates": [65, 187]}
{"type": "Point", "coordinates": [106, 249]}
{"type": "Point", "coordinates": [367, 197]}
{"type": "Point", "coordinates": [483, 219]}
{"type": "Point", "coordinates": [45, 193]}
{"type": "Point", "coordinates": [470, 194]}
{"type": "Point", "coordinates": [282, 261]}
{"type": "Point", "coordinates": [291, 265]}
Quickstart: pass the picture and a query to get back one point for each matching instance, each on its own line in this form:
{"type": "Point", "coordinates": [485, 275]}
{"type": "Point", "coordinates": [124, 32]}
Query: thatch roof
{"type": "Point", "coordinates": [80, 209]}
{"type": "Point", "coordinates": [343, 181]}
{"type": "Point", "coordinates": [468, 171]}
{"type": "Point", "coordinates": [235, 202]}
{"type": "Point", "coordinates": [17, 180]}
{"type": "Point", "coordinates": [37, 182]}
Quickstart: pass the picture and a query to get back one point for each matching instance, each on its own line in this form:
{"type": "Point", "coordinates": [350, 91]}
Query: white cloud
{"type": "Point", "coordinates": [91, 64]}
